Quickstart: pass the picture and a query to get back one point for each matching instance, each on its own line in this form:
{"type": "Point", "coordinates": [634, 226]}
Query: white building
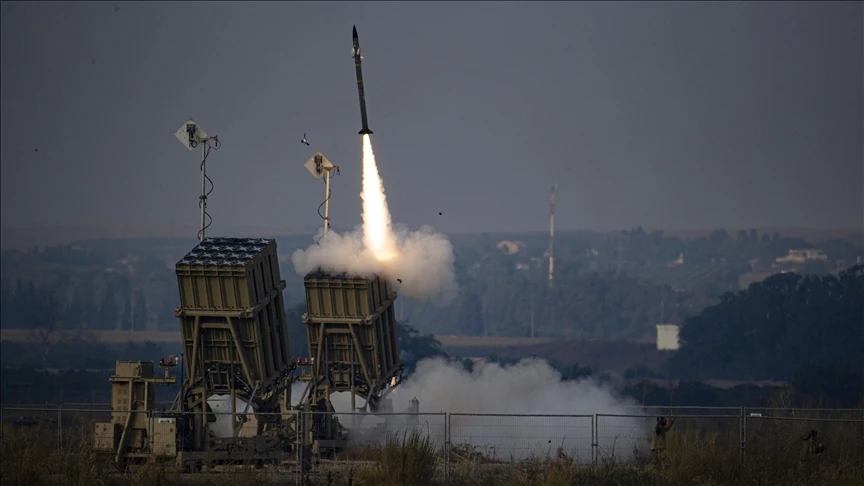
{"type": "Point", "coordinates": [667, 337]}
{"type": "Point", "coordinates": [803, 256]}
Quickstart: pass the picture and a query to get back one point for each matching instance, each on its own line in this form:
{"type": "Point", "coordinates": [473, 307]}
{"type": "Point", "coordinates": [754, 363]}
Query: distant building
{"type": "Point", "coordinates": [667, 337]}
{"type": "Point", "coordinates": [803, 256]}
{"type": "Point", "coordinates": [510, 247]}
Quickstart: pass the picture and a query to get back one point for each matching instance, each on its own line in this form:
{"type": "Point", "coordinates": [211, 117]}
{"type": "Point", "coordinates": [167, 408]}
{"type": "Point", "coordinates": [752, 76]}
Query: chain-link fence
{"type": "Point", "coordinates": [624, 437]}
{"type": "Point", "coordinates": [783, 440]}
{"type": "Point", "coordinates": [367, 441]}
{"type": "Point", "coordinates": [501, 437]}
{"type": "Point", "coordinates": [742, 440]}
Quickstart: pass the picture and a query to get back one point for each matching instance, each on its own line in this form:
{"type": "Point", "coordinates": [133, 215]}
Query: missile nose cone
{"type": "Point", "coordinates": [354, 34]}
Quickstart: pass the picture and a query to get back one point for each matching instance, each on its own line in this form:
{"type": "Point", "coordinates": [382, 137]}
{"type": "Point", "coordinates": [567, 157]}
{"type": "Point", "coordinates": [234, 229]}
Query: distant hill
{"type": "Point", "coordinates": [608, 285]}
{"type": "Point", "coordinates": [20, 238]}
{"type": "Point", "coordinates": [41, 236]}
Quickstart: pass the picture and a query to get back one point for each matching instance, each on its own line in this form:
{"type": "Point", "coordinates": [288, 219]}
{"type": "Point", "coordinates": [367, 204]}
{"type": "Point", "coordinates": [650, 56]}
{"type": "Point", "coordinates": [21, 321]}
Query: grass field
{"type": "Point", "coordinates": [698, 454]}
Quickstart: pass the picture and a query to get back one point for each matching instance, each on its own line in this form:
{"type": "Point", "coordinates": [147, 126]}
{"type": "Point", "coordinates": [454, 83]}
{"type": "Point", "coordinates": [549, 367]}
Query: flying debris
{"type": "Point", "coordinates": [304, 141]}
{"type": "Point", "coordinates": [357, 60]}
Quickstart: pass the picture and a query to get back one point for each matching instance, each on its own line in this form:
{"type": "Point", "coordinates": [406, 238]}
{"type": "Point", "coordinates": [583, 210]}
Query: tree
{"type": "Point", "coordinates": [24, 301]}
{"type": "Point", "coordinates": [139, 313]}
{"type": "Point", "coordinates": [108, 311]}
{"type": "Point", "coordinates": [7, 299]}
{"type": "Point", "coordinates": [832, 385]}
{"type": "Point", "coordinates": [73, 315]}
{"type": "Point", "coordinates": [122, 291]}
{"type": "Point", "coordinates": [415, 347]}
{"type": "Point", "coordinates": [776, 327]}
{"type": "Point", "coordinates": [296, 329]}
{"type": "Point", "coordinates": [166, 319]}
{"type": "Point", "coordinates": [125, 320]}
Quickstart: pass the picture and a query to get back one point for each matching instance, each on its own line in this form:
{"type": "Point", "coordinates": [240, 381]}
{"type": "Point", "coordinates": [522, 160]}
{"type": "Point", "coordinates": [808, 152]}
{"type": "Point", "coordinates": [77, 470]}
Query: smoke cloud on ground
{"type": "Point", "coordinates": [562, 411]}
{"type": "Point", "coordinates": [423, 262]}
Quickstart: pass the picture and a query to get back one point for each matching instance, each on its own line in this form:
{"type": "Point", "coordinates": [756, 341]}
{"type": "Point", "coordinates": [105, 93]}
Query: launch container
{"type": "Point", "coordinates": [230, 301]}
{"type": "Point", "coordinates": [351, 326]}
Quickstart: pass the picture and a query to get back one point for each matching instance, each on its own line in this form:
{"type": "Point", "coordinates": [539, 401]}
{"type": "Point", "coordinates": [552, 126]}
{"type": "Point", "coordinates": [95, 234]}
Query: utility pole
{"type": "Point", "coordinates": [551, 299]}
{"type": "Point", "coordinates": [553, 189]}
{"type": "Point", "coordinates": [532, 312]}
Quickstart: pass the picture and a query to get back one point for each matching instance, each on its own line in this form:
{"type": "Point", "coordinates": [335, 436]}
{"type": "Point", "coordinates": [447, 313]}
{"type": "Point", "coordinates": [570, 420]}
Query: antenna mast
{"type": "Point", "coordinates": [191, 135]}
{"type": "Point", "coordinates": [319, 167]}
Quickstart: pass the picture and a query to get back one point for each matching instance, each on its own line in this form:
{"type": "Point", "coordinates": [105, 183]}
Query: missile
{"type": "Point", "coordinates": [357, 60]}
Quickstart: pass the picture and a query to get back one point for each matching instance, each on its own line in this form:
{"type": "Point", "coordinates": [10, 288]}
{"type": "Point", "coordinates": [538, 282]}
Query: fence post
{"type": "Point", "coordinates": [741, 443]}
{"type": "Point", "coordinates": [152, 426]}
{"type": "Point", "coordinates": [297, 445]}
{"type": "Point", "coordinates": [59, 427]}
{"type": "Point", "coordinates": [594, 439]}
{"type": "Point", "coordinates": [447, 447]}
{"type": "Point", "coordinates": [744, 439]}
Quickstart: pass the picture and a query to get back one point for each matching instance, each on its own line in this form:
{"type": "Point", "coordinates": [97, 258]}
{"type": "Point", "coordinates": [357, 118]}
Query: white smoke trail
{"type": "Point", "coordinates": [377, 230]}
{"type": "Point", "coordinates": [519, 411]}
{"type": "Point", "coordinates": [419, 264]}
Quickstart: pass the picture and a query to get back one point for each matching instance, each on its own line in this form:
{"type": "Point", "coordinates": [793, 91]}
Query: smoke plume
{"type": "Point", "coordinates": [418, 264]}
{"type": "Point", "coordinates": [423, 262]}
{"type": "Point", "coordinates": [519, 411]}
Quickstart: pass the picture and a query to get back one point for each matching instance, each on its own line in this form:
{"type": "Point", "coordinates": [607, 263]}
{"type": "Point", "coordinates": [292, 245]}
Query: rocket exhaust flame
{"type": "Point", "coordinates": [378, 233]}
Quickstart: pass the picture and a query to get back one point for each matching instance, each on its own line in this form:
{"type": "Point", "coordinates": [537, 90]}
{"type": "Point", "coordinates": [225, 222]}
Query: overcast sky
{"type": "Point", "coordinates": [677, 115]}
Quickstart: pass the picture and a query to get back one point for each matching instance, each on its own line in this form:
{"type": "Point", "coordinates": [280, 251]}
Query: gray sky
{"type": "Point", "coordinates": [670, 115]}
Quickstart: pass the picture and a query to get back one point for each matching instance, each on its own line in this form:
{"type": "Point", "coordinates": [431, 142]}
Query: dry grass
{"type": "Point", "coordinates": [411, 460]}
{"type": "Point", "coordinates": [700, 453]}
{"type": "Point", "coordinates": [33, 456]}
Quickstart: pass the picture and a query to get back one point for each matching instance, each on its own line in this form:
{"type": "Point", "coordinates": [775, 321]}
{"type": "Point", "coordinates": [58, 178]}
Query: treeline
{"type": "Point", "coordinates": [591, 305]}
{"type": "Point", "coordinates": [77, 368]}
{"type": "Point", "coordinates": [615, 285]}
{"type": "Point", "coordinates": [113, 306]}
{"type": "Point", "coordinates": [806, 328]}
{"type": "Point", "coordinates": [636, 247]}
{"type": "Point", "coordinates": [496, 299]}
